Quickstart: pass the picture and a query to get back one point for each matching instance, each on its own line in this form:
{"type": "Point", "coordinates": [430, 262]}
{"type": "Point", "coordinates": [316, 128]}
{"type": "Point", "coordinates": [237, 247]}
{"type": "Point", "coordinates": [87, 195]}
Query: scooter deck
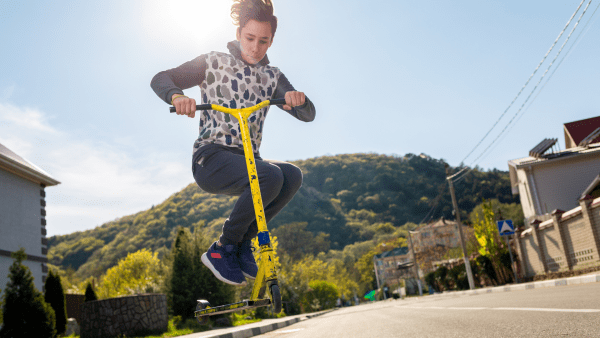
{"type": "Point", "coordinates": [245, 304]}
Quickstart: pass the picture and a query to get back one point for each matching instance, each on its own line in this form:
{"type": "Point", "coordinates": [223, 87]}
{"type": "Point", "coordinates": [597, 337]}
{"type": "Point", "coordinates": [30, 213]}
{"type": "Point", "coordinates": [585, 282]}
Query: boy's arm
{"type": "Point", "coordinates": [169, 82]}
{"type": "Point", "coordinates": [305, 112]}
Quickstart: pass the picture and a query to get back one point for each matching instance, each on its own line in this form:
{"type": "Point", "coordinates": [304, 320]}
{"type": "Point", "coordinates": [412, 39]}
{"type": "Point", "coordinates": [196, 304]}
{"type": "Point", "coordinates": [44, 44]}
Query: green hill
{"type": "Point", "coordinates": [344, 199]}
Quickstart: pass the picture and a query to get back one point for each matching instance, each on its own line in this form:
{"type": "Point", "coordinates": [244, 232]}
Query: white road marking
{"type": "Point", "coordinates": [288, 331]}
{"type": "Point", "coordinates": [545, 309]}
{"type": "Point", "coordinates": [501, 309]}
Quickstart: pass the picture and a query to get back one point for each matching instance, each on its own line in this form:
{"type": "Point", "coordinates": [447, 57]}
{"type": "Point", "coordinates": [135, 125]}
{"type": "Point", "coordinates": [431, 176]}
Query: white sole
{"type": "Point", "coordinates": [247, 275]}
{"type": "Point", "coordinates": [215, 272]}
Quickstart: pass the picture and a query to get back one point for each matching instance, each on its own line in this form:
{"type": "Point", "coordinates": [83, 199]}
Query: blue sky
{"type": "Point", "coordinates": [390, 77]}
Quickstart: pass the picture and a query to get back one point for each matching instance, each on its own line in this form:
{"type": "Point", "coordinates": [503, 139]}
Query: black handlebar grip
{"type": "Point", "coordinates": [209, 107]}
{"type": "Point", "coordinates": [277, 102]}
{"type": "Point", "coordinates": [198, 107]}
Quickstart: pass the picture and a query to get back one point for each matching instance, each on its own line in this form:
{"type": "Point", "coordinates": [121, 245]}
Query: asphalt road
{"type": "Point", "coordinates": [567, 311]}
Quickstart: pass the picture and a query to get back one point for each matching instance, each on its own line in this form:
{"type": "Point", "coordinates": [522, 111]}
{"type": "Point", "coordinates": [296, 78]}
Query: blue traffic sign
{"type": "Point", "coordinates": [505, 227]}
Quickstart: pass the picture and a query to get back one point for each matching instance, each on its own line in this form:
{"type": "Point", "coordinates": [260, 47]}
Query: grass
{"type": "Point", "coordinates": [240, 319]}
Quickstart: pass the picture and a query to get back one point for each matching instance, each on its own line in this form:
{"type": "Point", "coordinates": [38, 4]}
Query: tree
{"type": "Point", "coordinates": [297, 242]}
{"type": "Point", "coordinates": [512, 211]}
{"type": "Point", "coordinates": [488, 237]}
{"type": "Point", "coordinates": [137, 273]}
{"type": "Point", "coordinates": [26, 314]}
{"type": "Point", "coordinates": [90, 294]}
{"type": "Point", "coordinates": [487, 233]}
{"type": "Point", "coordinates": [55, 296]}
{"type": "Point", "coordinates": [180, 294]}
{"type": "Point", "coordinates": [188, 279]}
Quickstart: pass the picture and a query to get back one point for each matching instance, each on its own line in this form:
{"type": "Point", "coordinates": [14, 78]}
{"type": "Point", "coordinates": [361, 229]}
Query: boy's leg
{"type": "Point", "coordinates": [225, 173]}
{"type": "Point", "coordinates": [292, 181]}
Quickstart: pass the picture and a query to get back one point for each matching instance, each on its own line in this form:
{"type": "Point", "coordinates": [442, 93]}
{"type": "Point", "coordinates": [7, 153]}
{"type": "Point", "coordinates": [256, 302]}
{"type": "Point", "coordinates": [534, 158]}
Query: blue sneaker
{"type": "Point", "coordinates": [246, 259]}
{"type": "Point", "coordinates": [222, 261]}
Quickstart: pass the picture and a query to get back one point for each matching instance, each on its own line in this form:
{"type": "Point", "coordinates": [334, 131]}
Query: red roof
{"type": "Point", "coordinates": [579, 130]}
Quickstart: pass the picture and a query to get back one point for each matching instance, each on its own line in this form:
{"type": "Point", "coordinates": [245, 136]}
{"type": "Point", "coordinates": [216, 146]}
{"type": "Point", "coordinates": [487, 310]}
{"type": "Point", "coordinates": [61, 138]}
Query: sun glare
{"type": "Point", "coordinates": [203, 24]}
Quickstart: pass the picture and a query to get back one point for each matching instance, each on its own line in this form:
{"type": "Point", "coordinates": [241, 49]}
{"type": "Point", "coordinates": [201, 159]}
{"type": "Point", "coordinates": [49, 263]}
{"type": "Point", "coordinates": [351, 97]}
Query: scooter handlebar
{"type": "Point", "coordinates": [209, 106]}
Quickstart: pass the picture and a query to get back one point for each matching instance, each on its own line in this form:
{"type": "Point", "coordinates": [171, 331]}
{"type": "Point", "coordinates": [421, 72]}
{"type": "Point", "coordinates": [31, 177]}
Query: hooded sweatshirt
{"type": "Point", "coordinates": [229, 81]}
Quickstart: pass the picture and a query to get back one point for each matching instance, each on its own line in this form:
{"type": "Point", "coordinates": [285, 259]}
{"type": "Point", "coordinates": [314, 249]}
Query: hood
{"type": "Point", "coordinates": [236, 51]}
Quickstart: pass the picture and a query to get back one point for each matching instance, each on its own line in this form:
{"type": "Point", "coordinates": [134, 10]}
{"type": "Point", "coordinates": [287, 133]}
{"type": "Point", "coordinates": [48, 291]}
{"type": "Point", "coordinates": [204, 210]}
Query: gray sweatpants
{"type": "Point", "coordinates": [222, 170]}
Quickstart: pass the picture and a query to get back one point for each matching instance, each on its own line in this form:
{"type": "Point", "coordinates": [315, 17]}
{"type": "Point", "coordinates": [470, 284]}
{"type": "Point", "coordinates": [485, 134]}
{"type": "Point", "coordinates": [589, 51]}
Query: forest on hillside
{"type": "Point", "coordinates": [345, 201]}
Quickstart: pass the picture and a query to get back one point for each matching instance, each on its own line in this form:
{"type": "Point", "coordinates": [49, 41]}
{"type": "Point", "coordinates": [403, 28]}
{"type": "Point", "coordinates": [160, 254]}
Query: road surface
{"type": "Point", "coordinates": [568, 311]}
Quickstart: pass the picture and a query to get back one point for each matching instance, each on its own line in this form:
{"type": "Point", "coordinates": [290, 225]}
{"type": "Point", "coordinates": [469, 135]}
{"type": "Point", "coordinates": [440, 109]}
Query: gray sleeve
{"type": "Point", "coordinates": [305, 112]}
{"type": "Point", "coordinates": [173, 81]}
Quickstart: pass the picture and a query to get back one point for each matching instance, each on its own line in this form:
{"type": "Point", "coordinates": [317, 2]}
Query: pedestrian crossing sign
{"type": "Point", "coordinates": [505, 227]}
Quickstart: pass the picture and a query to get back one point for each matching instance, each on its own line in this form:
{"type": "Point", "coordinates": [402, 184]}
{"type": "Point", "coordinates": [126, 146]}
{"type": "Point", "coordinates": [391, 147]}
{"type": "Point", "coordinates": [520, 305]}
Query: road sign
{"type": "Point", "coordinates": [505, 227]}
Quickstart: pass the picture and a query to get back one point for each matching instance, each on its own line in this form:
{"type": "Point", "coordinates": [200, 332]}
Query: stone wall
{"type": "Point", "coordinates": [568, 241]}
{"type": "Point", "coordinates": [124, 316]}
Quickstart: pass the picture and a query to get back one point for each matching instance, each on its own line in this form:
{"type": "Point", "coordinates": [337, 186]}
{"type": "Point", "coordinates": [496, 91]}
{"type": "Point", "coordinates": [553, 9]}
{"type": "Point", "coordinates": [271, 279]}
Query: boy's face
{"type": "Point", "coordinates": [255, 38]}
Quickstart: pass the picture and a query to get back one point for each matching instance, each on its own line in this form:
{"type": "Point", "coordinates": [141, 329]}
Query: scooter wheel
{"type": "Point", "coordinates": [202, 304]}
{"type": "Point", "coordinates": [276, 298]}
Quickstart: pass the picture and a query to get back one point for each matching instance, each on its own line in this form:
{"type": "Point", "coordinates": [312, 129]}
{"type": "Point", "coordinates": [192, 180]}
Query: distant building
{"type": "Point", "coordinates": [550, 179]}
{"type": "Point", "coordinates": [389, 266]}
{"type": "Point", "coordinates": [23, 215]}
{"type": "Point", "coordinates": [439, 233]}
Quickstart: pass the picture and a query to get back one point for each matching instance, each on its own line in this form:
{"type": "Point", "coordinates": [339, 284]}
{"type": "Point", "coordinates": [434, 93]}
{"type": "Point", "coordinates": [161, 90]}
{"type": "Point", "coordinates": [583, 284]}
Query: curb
{"type": "Point", "coordinates": [526, 286]}
{"type": "Point", "coordinates": [257, 330]}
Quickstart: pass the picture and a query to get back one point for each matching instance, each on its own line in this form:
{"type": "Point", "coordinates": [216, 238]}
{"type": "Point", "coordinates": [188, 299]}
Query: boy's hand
{"type": "Point", "coordinates": [185, 106]}
{"type": "Point", "coordinates": [293, 99]}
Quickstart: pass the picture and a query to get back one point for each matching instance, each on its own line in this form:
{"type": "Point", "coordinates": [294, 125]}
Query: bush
{"type": "Point", "coordinates": [25, 311]}
{"type": "Point", "coordinates": [458, 275]}
{"type": "Point", "coordinates": [487, 268]}
{"type": "Point", "coordinates": [322, 295]}
{"type": "Point", "coordinates": [441, 275]}
{"type": "Point", "coordinates": [55, 296]}
{"type": "Point", "coordinates": [430, 280]}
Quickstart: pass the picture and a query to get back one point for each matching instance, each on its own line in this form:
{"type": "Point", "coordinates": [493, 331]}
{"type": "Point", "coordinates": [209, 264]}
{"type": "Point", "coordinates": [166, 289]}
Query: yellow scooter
{"type": "Point", "coordinates": [267, 276]}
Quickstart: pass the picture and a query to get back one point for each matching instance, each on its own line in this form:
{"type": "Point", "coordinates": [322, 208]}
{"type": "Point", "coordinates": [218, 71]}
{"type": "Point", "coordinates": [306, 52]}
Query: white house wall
{"type": "Point", "coordinates": [527, 201]}
{"type": "Point", "coordinates": [560, 184]}
{"type": "Point", "coordinates": [20, 223]}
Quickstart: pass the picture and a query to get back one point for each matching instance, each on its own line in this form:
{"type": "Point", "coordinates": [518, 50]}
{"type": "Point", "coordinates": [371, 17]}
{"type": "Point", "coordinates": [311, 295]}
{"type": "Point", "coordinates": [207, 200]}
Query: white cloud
{"type": "Point", "coordinates": [26, 118]}
{"type": "Point", "coordinates": [100, 181]}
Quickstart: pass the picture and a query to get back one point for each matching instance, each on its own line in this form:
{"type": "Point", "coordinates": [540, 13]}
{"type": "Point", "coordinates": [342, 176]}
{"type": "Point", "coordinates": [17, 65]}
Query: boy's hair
{"type": "Point", "coordinates": [243, 11]}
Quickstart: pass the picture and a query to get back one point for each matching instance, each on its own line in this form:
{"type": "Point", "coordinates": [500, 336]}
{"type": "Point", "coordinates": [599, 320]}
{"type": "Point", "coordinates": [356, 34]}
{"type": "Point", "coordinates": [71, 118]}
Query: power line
{"type": "Point", "coordinates": [538, 83]}
{"type": "Point", "coordinates": [529, 96]}
{"type": "Point", "coordinates": [574, 44]}
{"type": "Point", "coordinates": [441, 190]}
{"type": "Point", "coordinates": [582, 33]}
{"type": "Point", "coordinates": [531, 76]}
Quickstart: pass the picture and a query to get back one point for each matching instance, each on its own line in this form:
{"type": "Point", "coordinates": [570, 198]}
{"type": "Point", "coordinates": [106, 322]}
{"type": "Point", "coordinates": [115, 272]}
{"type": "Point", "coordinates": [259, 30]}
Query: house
{"type": "Point", "coordinates": [550, 179]}
{"type": "Point", "coordinates": [441, 233]}
{"type": "Point", "coordinates": [389, 266]}
{"type": "Point", "coordinates": [23, 215]}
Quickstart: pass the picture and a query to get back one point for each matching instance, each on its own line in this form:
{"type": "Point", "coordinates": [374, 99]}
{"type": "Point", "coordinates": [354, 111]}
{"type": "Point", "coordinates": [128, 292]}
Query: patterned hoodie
{"type": "Point", "coordinates": [229, 81]}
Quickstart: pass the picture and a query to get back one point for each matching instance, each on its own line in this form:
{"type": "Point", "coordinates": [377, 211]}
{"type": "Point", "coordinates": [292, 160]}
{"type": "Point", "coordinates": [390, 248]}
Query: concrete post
{"type": "Point", "coordinates": [556, 216]}
{"type": "Point", "coordinates": [535, 224]}
{"type": "Point", "coordinates": [587, 216]}
{"type": "Point", "coordinates": [521, 266]}
{"type": "Point", "coordinates": [415, 264]}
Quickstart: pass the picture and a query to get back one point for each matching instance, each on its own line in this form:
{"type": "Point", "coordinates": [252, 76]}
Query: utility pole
{"type": "Point", "coordinates": [377, 276]}
{"type": "Point", "coordinates": [460, 233]}
{"type": "Point", "coordinates": [415, 265]}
